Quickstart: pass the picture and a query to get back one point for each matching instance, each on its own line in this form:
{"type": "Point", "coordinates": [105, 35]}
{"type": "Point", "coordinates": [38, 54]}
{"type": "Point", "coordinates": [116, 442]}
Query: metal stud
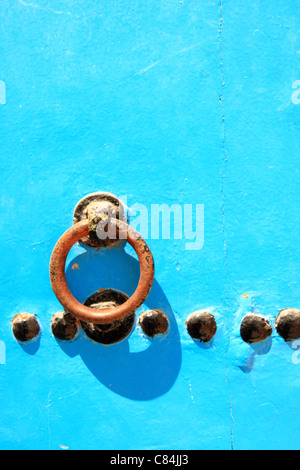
{"type": "Point", "coordinates": [64, 326]}
{"type": "Point", "coordinates": [201, 325]}
{"type": "Point", "coordinates": [153, 322]}
{"type": "Point", "coordinates": [25, 326]}
{"type": "Point", "coordinates": [288, 324]}
{"type": "Point", "coordinates": [255, 328]}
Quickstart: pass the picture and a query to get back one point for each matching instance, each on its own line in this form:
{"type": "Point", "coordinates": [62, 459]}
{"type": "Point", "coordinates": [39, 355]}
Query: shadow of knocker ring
{"type": "Point", "coordinates": [104, 315]}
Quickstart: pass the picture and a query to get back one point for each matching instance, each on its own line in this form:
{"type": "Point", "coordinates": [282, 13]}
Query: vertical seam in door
{"type": "Point", "coordinates": [223, 173]}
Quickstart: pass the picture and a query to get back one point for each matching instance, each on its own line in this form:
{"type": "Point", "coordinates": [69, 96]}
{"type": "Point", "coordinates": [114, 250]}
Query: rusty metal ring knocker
{"type": "Point", "coordinates": [105, 315]}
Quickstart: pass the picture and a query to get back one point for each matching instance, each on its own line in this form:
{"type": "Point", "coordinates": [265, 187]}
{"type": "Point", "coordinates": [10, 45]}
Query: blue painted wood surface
{"type": "Point", "coordinates": [186, 102]}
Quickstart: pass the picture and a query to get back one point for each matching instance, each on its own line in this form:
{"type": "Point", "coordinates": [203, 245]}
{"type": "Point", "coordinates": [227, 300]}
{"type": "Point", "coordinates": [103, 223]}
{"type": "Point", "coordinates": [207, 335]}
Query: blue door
{"type": "Point", "coordinates": [181, 106]}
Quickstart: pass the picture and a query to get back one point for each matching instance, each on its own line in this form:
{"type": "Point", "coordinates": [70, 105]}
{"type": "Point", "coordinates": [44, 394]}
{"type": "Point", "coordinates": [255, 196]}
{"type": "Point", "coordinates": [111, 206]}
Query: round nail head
{"type": "Point", "coordinates": [288, 324]}
{"type": "Point", "coordinates": [255, 328]}
{"type": "Point", "coordinates": [201, 325]}
{"type": "Point", "coordinates": [153, 322]}
{"type": "Point", "coordinates": [64, 326]}
{"type": "Point", "coordinates": [25, 326]}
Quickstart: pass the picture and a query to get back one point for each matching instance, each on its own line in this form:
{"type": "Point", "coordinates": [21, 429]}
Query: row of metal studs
{"type": "Point", "coordinates": [201, 325]}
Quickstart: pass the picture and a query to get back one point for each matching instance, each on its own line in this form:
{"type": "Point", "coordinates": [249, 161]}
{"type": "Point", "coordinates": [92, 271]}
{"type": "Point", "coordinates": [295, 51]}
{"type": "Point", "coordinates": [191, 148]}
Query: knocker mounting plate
{"type": "Point", "coordinates": [115, 331]}
{"type": "Point", "coordinates": [96, 204]}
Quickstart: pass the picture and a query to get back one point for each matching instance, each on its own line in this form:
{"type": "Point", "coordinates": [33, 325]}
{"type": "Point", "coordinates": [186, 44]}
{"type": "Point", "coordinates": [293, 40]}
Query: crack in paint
{"type": "Point", "coordinates": [223, 173]}
{"type": "Point", "coordinates": [140, 72]}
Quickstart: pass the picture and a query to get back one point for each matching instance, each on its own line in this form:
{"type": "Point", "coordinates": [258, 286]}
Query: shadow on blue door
{"type": "Point", "coordinates": [142, 375]}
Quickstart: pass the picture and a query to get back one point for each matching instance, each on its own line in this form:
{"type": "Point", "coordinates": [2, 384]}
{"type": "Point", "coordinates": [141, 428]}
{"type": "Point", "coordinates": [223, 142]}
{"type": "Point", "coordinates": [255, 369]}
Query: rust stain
{"type": "Point", "coordinates": [75, 266]}
{"type": "Point", "coordinates": [245, 296]}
